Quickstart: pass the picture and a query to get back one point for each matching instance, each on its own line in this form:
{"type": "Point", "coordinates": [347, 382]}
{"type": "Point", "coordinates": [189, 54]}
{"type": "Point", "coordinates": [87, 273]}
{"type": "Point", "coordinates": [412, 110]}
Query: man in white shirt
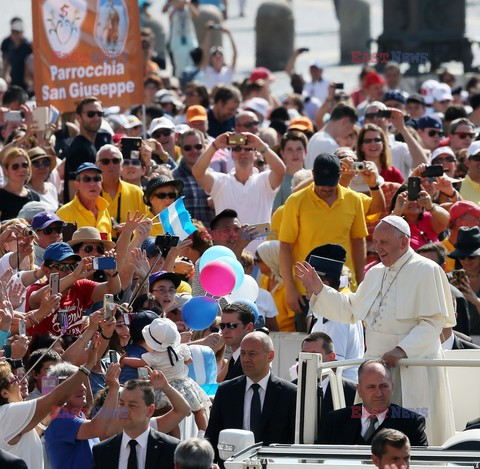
{"type": "Point", "coordinates": [341, 123]}
{"type": "Point", "coordinates": [259, 401]}
{"type": "Point", "coordinates": [138, 445]}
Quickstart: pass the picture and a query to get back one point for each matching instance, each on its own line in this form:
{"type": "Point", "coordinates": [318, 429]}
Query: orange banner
{"type": "Point", "coordinates": [84, 48]}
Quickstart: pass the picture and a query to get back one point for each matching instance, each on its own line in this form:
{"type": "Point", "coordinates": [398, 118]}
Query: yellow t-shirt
{"type": "Point", "coordinates": [76, 212]}
{"type": "Point", "coordinates": [450, 263]}
{"type": "Point", "coordinates": [470, 190]}
{"type": "Point", "coordinates": [286, 317]}
{"type": "Point", "coordinates": [309, 222]}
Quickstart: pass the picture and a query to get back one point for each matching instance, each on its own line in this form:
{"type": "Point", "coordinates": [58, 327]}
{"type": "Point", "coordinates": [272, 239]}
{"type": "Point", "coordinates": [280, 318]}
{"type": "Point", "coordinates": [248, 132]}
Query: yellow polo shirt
{"type": "Point", "coordinates": [76, 212]}
{"type": "Point", "coordinates": [450, 263]}
{"type": "Point", "coordinates": [470, 190]}
{"type": "Point", "coordinates": [309, 222]}
{"type": "Point", "coordinates": [129, 197]}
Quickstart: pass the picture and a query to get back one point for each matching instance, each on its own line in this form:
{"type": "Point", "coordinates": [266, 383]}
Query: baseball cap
{"type": "Point", "coordinates": [394, 95]}
{"type": "Point", "coordinates": [473, 149]}
{"type": "Point", "coordinates": [416, 98]}
{"type": "Point", "coordinates": [261, 73]}
{"type": "Point", "coordinates": [139, 321]}
{"type": "Point", "coordinates": [317, 64]}
{"type": "Point", "coordinates": [427, 91]}
{"type": "Point", "coordinates": [259, 105]}
{"type": "Point", "coordinates": [196, 113]}
{"type": "Point", "coordinates": [326, 170]}
{"type": "Point", "coordinates": [442, 92]}
{"type": "Point", "coordinates": [442, 151]}
{"type": "Point", "coordinates": [163, 275]}
{"type": "Point", "coordinates": [132, 121]}
{"type": "Point", "coordinates": [429, 122]}
{"type": "Point", "coordinates": [378, 104]}
{"type": "Point", "coordinates": [17, 25]}
{"type": "Point", "coordinates": [161, 123]}
{"type": "Point", "coordinates": [149, 246]}
{"type": "Point", "coordinates": [463, 207]}
{"type": "Point", "coordinates": [58, 252]}
{"type": "Point", "coordinates": [85, 167]}
{"type": "Point", "coordinates": [301, 123]}
{"type": "Point", "coordinates": [43, 219]}
{"type": "Point", "coordinates": [373, 79]}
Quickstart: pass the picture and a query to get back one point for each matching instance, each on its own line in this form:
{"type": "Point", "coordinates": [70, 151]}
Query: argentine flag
{"type": "Point", "coordinates": [176, 220]}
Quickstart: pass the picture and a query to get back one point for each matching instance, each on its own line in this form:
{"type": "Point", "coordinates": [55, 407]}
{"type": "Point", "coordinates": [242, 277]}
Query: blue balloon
{"type": "Point", "coordinates": [213, 253]}
{"type": "Point", "coordinates": [199, 312]}
{"type": "Point", "coordinates": [251, 304]}
{"type": "Point", "coordinates": [237, 268]}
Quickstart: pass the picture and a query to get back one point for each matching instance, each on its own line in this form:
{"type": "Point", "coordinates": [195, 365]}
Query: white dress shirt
{"type": "Point", "coordinates": [448, 344]}
{"type": "Point", "coordinates": [141, 448]}
{"type": "Point", "coordinates": [366, 420]}
{"type": "Point", "coordinates": [248, 398]}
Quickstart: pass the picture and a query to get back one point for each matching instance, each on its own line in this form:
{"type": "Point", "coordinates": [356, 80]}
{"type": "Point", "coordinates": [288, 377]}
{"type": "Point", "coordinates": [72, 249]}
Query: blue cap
{"type": "Point", "coordinates": [163, 275]}
{"type": "Point", "coordinates": [58, 252]}
{"type": "Point", "coordinates": [149, 246]}
{"type": "Point", "coordinates": [85, 167]}
{"type": "Point", "coordinates": [43, 219]}
{"type": "Point", "coordinates": [429, 122]}
{"type": "Point", "coordinates": [394, 95]}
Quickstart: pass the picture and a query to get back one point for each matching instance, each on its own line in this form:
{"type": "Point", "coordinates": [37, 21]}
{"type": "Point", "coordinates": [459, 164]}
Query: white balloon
{"type": "Point", "coordinates": [248, 290]}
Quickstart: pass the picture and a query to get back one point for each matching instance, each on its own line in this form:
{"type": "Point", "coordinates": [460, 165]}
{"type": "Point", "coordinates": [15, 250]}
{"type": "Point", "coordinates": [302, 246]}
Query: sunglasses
{"type": "Point", "coordinates": [14, 380]}
{"type": "Point", "coordinates": [371, 115]}
{"type": "Point", "coordinates": [106, 161]}
{"type": "Point", "coordinates": [260, 163]}
{"type": "Point", "coordinates": [371, 140]}
{"type": "Point", "coordinates": [164, 195]}
{"type": "Point", "coordinates": [229, 325]}
{"type": "Point", "coordinates": [49, 230]}
{"type": "Point", "coordinates": [100, 248]}
{"type": "Point", "coordinates": [433, 133]}
{"type": "Point", "coordinates": [447, 159]}
{"type": "Point", "coordinates": [94, 113]}
{"type": "Point", "coordinates": [88, 179]}
{"type": "Point", "coordinates": [16, 166]}
{"type": "Point", "coordinates": [162, 133]}
{"type": "Point", "coordinates": [464, 135]}
{"type": "Point", "coordinates": [41, 163]}
{"type": "Point", "coordinates": [197, 146]}
{"type": "Point", "coordinates": [64, 267]}
{"type": "Point", "coordinates": [474, 157]}
{"type": "Point", "coordinates": [132, 162]}
{"type": "Point", "coordinates": [249, 125]}
{"type": "Point", "coordinates": [163, 291]}
{"type": "Point", "coordinates": [470, 258]}
{"type": "Point", "coordinates": [240, 148]}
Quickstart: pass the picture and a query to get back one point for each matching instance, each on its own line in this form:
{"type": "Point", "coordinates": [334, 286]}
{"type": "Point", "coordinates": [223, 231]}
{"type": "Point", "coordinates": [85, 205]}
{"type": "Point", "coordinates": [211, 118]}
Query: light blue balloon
{"type": "Point", "coordinates": [237, 268]}
{"type": "Point", "coordinates": [213, 253]}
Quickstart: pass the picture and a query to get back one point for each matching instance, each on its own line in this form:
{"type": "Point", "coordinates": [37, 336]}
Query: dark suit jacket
{"type": "Point", "coordinates": [235, 371]}
{"type": "Point", "coordinates": [460, 343]}
{"type": "Point", "coordinates": [344, 426]}
{"type": "Point", "coordinates": [349, 389]}
{"type": "Point", "coordinates": [9, 461]}
{"type": "Point", "coordinates": [160, 449]}
{"type": "Point", "coordinates": [278, 412]}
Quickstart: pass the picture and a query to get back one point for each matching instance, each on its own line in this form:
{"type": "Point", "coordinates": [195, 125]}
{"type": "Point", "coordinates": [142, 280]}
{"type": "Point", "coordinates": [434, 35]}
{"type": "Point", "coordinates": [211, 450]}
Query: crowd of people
{"type": "Point", "coordinates": [356, 212]}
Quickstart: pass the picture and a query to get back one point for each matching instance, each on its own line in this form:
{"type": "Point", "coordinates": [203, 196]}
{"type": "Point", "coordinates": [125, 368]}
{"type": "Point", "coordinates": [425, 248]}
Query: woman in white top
{"type": "Point", "coordinates": [215, 70]}
{"type": "Point", "coordinates": [23, 422]}
{"type": "Point", "coordinates": [42, 166]}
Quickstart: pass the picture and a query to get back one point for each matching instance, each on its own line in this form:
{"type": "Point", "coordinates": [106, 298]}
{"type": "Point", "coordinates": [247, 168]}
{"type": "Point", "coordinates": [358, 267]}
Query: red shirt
{"type": "Point", "coordinates": [392, 174]}
{"type": "Point", "coordinates": [74, 303]}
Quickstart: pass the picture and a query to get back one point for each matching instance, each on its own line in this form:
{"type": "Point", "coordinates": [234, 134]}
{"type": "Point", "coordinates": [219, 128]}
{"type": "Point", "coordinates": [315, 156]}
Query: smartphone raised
{"type": "Point", "coordinates": [433, 171]}
{"type": "Point", "coordinates": [104, 263]}
{"type": "Point", "coordinates": [108, 305]}
{"type": "Point", "coordinates": [54, 283]}
{"type": "Point", "coordinates": [130, 144]}
{"type": "Point", "coordinates": [22, 327]}
{"type": "Point", "coordinates": [40, 117]}
{"type": "Point", "coordinates": [113, 356]}
{"type": "Point", "coordinates": [237, 139]}
{"type": "Point", "coordinates": [413, 188]}
{"type": "Point", "coordinates": [143, 373]}
{"type": "Point", "coordinates": [13, 116]}
{"type": "Point", "coordinates": [458, 276]}
{"type": "Point", "coordinates": [339, 86]}
{"type": "Point", "coordinates": [261, 230]}
{"type": "Point", "coordinates": [49, 383]}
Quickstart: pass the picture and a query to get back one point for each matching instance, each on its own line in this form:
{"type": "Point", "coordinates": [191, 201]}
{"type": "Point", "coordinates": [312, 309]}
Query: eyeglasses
{"type": "Point", "coordinates": [64, 267]}
{"type": "Point", "coordinates": [41, 163]}
{"type": "Point", "coordinates": [163, 291]}
{"type": "Point", "coordinates": [16, 166]}
{"type": "Point", "coordinates": [49, 230]}
{"type": "Point", "coordinates": [447, 159]}
{"type": "Point", "coordinates": [260, 163]}
{"type": "Point", "coordinates": [106, 161]}
{"type": "Point", "coordinates": [470, 258]}
{"type": "Point", "coordinates": [94, 113]}
{"type": "Point", "coordinates": [474, 157]}
{"type": "Point", "coordinates": [371, 115]}
{"type": "Point", "coordinates": [249, 125]}
{"type": "Point", "coordinates": [464, 135]}
{"type": "Point", "coordinates": [88, 179]}
{"type": "Point", "coordinates": [164, 195]}
{"type": "Point", "coordinates": [132, 162]}
{"type": "Point", "coordinates": [240, 148]}
{"type": "Point", "coordinates": [371, 140]}
{"type": "Point", "coordinates": [229, 325]}
{"type": "Point", "coordinates": [14, 380]}
{"type": "Point", "coordinates": [100, 248]}
{"type": "Point", "coordinates": [162, 133]}
{"type": "Point", "coordinates": [433, 133]}
{"type": "Point", "coordinates": [197, 146]}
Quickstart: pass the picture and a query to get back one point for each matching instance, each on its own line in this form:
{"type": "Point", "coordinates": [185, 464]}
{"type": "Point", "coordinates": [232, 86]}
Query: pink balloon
{"type": "Point", "coordinates": [217, 278]}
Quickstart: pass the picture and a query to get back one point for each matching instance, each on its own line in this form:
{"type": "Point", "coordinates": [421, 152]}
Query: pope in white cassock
{"type": "Point", "coordinates": [404, 303]}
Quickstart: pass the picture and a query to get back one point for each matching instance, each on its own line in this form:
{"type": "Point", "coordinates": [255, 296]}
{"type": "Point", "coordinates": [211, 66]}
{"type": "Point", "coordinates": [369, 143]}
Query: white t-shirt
{"type": "Point", "coordinates": [50, 199]}
{"type": "Point", "coordinates": [213, 78]}
{"type": "Point", "coordinates": [14, 418]}
{"type": "Point", "coordinates": [253, 201]}
{"type": "Point", "coordinates": [319, 89]}
{"type": "Point", "coordinates": [401, 158]}
{"type": "Point", "coordinates": [321, 142]}
{"type": "Point", "coordinates": [266, 305]}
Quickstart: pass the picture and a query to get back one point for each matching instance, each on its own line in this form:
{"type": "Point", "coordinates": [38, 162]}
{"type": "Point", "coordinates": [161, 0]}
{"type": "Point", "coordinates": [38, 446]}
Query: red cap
{"type": "Point", "coordinates": [117, 137]}
{"type": "Point", "coordinates": [463, 207]}
{"type": "Point", "coordinates": [373, 79]}
{"type": "Point", "coordinates": [261, 73]}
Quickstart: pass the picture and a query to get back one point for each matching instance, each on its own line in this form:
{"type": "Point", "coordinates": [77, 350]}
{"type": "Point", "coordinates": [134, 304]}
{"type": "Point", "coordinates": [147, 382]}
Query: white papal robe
{"type": "Point", "coordinates": [405, 305]}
